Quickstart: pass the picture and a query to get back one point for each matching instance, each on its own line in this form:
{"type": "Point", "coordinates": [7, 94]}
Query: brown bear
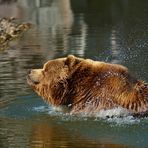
{"type": "Point", "coordinates": [87, 86]}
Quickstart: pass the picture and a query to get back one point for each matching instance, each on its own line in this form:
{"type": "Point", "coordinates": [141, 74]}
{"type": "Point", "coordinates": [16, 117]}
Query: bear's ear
{"type": "Point", "coordinates": [72, 61]}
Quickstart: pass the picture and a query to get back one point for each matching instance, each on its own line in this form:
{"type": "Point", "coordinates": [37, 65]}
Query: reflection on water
{"type": "Point", "coordinates": [113, 31]}
{"type": "Point", "coordinates": [50, 134]}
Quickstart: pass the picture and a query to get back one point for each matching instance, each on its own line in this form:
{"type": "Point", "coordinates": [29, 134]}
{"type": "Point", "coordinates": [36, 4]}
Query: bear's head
{"type": "Point", "coordinates": [50, 82]}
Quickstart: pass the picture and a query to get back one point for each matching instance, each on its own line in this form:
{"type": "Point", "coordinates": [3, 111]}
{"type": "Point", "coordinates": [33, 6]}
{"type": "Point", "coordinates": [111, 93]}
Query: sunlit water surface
{"type": "Point", "coordinates": [112, 31]}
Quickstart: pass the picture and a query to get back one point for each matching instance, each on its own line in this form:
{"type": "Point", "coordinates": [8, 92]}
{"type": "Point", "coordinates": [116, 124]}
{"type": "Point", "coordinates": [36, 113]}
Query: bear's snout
{"type": "Point", "coordinates": [34, 76]}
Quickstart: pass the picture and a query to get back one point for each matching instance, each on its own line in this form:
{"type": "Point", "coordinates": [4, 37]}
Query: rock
{"type": "Point", "coordinates": [10, 29]}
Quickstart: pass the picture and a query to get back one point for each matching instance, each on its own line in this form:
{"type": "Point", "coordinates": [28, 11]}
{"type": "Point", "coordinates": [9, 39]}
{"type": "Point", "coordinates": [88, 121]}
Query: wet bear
{"type": "Point", "coordinates": [87, 86]}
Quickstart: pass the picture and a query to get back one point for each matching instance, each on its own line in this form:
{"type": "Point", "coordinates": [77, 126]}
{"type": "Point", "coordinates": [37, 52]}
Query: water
{"type": "Point", "coordinates": [113, 31]}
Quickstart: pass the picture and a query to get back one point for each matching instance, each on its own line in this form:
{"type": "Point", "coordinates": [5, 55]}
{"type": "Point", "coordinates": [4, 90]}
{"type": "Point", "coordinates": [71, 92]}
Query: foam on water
{"type": "Point", "coordinates": [124, 120]}
{"type": "Point", "coordinates": [115, 112]}
{"type": "Point", "coordinates": [52, 111]}
{"type": "Point", "coordinates": [119, 116]}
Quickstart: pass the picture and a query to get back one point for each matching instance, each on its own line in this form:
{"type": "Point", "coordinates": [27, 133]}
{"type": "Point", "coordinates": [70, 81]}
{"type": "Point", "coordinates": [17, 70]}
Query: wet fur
{"type": "Point", "coordinates": [87, 86]}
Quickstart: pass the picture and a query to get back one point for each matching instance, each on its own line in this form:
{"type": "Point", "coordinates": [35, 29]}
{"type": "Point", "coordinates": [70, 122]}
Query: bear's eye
{"type": "Point", "coordinates": [65, 66]}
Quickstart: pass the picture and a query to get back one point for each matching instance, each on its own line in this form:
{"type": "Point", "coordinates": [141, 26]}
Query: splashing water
{"type": "Point", "coordinates": [115, 112]}
{"type": "Point", "coordinates": [118, 115]}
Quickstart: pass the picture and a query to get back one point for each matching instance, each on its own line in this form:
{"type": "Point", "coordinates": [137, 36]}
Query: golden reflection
{"type": "Point", "coordinates": [46, 135]}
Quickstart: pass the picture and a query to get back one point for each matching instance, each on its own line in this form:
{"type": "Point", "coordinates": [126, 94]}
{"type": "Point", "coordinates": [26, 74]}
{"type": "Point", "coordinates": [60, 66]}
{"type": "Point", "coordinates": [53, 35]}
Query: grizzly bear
{"type": "Point", "coordinates": [87, 86]}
